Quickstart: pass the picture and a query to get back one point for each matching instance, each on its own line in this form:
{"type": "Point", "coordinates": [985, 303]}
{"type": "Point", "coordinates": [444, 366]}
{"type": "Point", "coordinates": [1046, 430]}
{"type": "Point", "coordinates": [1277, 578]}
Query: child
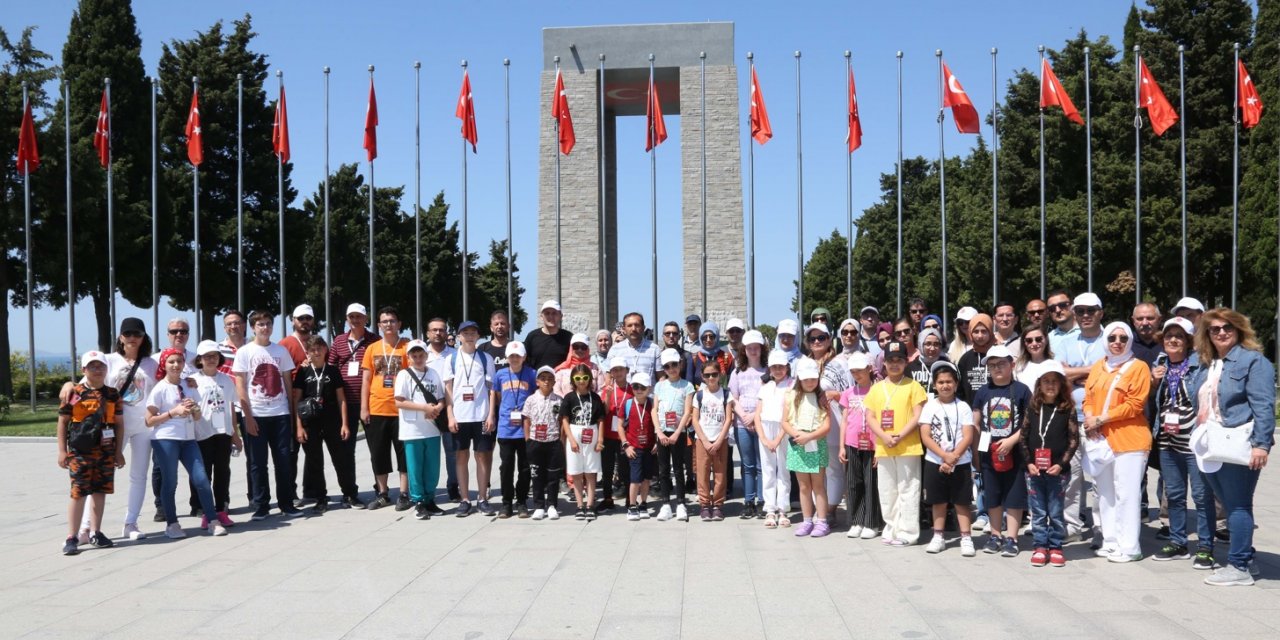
{"type": "Point", "coordinates": [88, 448]}
{"type": "Point", "coordinates": [948, 478]}
{"type": "Point", "coordinates": [998, 410]}
{"type": "Point", "coordinates": [582, 426]}
{"type": "Point", "coordinates": [172, 413]}
{"type": "Point", "coordinates": [804, 419]}
{"type": "Point", "coordinates": [216, 430]}
{"type": "Point", "coordinates": [614, 467]}
{"type": "Point", "coordinates": [749, 374]}
{"type": "Point", "coordinates": [773, 456]}
{"type": "Point", "coordinates": [321, 385]}
{"type": "Point", "coordinates": [1048, 443]}
{"type": "Point", "coordinates": [420, 398]}
{"type": "Point", "coordinates": [542, 435]}
{"type": "Point", "coordinates": [511, 387]}
{"type": "Point", "coordinates": [673, 411]}
{"type": "Point", "coordinates": [858, 453]}
{"type": "Point", "coordinates": [712, 415]}
{"type": "Point", "coordinates": [894, 406]}
{"type": "Point", "coordinates": [641, 446]}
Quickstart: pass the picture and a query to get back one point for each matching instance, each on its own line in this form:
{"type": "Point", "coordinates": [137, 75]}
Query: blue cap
{"type": "Point", "coordinates": [693, 317]}
{"type": "Point", "coordinates": [467, 324]}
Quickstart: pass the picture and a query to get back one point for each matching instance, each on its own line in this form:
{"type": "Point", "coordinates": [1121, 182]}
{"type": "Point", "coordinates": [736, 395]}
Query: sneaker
{"type": "Point", "coordinates": [646, 512]}
{"type": "Point", "coordinates": [760, 511]}
{"type": "Point", "coordinates": [854, 531]}
{"type": "Point", "coordinates": [746, 511]}
{"type": "Point", "coordinates": [298, 503]}
{"type": "Point", "coordinates": [664, 514]}
{"type": "Point", "coordinates": [682, 514]}
{"type": "Point", "coordinates": [1171, 552]}
{"type": "Point", "coordinates": [1163, 533]}
{"type": "Point", "coordinates": [174, 531]}
{"type": "Point", "coordinates": [71, 546]}
{"type": "Point", "coordinates": [218, 529]}
{"type": "Point", "coordinates": [820, 529]}
{"type": "Point", "coordinates": [158, 517]}
{"type": "Point", "coordinates": [261, 514]}
{"type": "Point", "coordinates": [101, 541]}
{"type": "Point", "coordinates": [522, 512]}
{"type": "Point", "coordinates": [83, 537]}
{"type": "Point", "coordinates": [464, 509]}
{"type": "Point", "coordinates": [1039, 557]}
{"type": "Point", "coordinates": [204, 522]}
{"type": "Point", "coordinates": [1203, 561]}
{"type": "Point", "coordinates": [993, 544]}
{"type": "Point", "coordinates": [804, 529]}
{"type": "Point", "coordinates": [718, 515]}
{"type": "Point", "coordinates": [1056, 558]}
{"type": "Point", "coordinates": [421, 512]}
{"type": "Point", "coordinates": [321, 507]}
{"type": "Point", "coordinates": [552, 514]}
{"type": "Point", "coordinates": [580, 515]}
{"type": "Point", "coordinates": [403, 503]}
{"type": "Point", "coordinates": [507, 513]}
{"type": "Point", "coordinates": [591, 514]}
{"type": "Point", "coordinates": [1106, 552]}
{"type": "Point", "coordinates": [353, 502]}
{"type": "Point", "coordinates": [704, 513]}
{"type": "Point", "coordinates": [1010, 548]}
{"type": "Point", "coordinates": [434, 509]}
{"type": "Point", "coordinates": [383, 500]}
{"type": "Point", "coordinates": [225, 520]}
{"type": "Point", "coordinates": [966, 547]}
{"type": "Point", "coordinates": [1229, 576]}
{"type": "Point", "coordinates": [604, 505]}
{"type": "Point", "coordinates": [633, 514]}
{"type": "Point", "coordinates": [485, 508]}
{"type": "Point", "coordinates": [936, 545]}
{"type": "Point", "coordinates": [292, 512]}
{"type": "Point", "coordinates": [539, 514]}
{"type": "Point", "coordinates": [869, 533]}
{"type": "Point", "coordinates": [1121, 558]}
{"type": "Point", "coordinates": [131, 532]}
{"type": "Point", "coordinates": [981, 523]}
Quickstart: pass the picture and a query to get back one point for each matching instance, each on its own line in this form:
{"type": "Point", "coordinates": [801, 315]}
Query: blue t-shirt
{"type": "Point", "coordinates": [515, 389]}
{"type": "Point", "coordinates": [1082, 352]}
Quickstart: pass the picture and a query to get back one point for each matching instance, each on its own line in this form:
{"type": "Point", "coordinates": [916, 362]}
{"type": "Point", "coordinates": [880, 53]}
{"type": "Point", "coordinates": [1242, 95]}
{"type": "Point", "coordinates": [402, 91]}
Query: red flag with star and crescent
{"type": "Point", "coordinates": [1151, 98]}
{"type": "Point", "coordinates": [854, 137]}
{"type": "Point", "coordinates": [102, 134]}
{"type": "Point", "coordinates": [655, 131]}
{"type": "Point", "coordinates": [28, 153]}
{"type": "Point", "coordinates": [371, 124]}
{"type": "Point", "coordinates": [962, 110]}
{"type": "Point", "coordinates": [761, 129]}
{"type": "Point", "coordinates": [280, 129]}
{"type": "Point", "coordinates": [1052, 94]}
{"type": "Point", "coordinates": [195, 141]}
{"type": "Point", "coordinates": [466, 111]}
{"type": "Point", "coordinates": [1250, 102]}
{"type": "Point", "coordinates": [560, 111]}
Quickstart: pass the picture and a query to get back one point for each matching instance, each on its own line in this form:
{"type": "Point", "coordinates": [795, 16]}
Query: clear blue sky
{"type": "Point", "coordinates": [302, 37]}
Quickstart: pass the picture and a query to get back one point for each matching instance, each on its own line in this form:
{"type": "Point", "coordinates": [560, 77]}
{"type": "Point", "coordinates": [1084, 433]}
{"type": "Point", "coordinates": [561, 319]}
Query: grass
{"type": "Point", "coordinates": [22, 422]}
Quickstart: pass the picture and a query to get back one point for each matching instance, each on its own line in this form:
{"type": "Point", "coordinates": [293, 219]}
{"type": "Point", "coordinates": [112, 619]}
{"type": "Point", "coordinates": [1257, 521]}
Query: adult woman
{"type": "Point", "coordinates": [786, 340]}
{"type": "Point", "coordinates": [604, 340]}
{"type": "Point", "coordinates": [1035, 352]}
{"type": "Point", "coordinates": [708, 349]}
{"type": "Point", "coordinates": [1118, 441]}
{"type": "Point", "coordinates": [579, 354]}
{"type": "Point", "coordinates": [930, 351]}
{"type": "Point", "coordinates": [744, 384]}
{"type": "Point", "coordinates": [960, 341]}
{"type": "Point", "coordinates": [848, 333]}
{"type": "Point", "coordinates": [1174, 418]}
{"type": "Point", "coordinates": [1234, 388]}
{"type": "Point", "coordinates": [904, 331]}
{"type": "Point", "coordinates": [131, 372]}
{"type": "Point", "coordinates": [833, 380]}
{"type": "Point", "coordinates": [931, 321]}
{"type": "Point", "coordinates": [171, 414]}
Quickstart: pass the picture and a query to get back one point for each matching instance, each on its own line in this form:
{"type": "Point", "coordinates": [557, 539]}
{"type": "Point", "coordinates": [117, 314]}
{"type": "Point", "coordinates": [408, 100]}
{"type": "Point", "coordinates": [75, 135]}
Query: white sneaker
{"type": "Point", "coordinates": [682, 514]}
{"type": "Point", "coordinates": [1106, 552]}
{"type": "Point", "coordinates": [982, 523]}
{"type": "Point", "coordinates": [131, 532]}
{"type": "Point", "coordinates": [855, 531]}
{"type": "Point", "coordinates": [539, 514]}
{"type": "Point", "coordinates": [869, 533]}
{"type": "Point", "coordinates": [174, 531]}
{"type": "Point", "coordinates": [664, 513]}
{"type": "Point", "coordinates": [219, 530]}
{"type": "Point", "coordinates": [552, 514]}
{"type": "Point", "coordinates": [937, 544]}
{"type": "Point", "coordinates": [966, 547]}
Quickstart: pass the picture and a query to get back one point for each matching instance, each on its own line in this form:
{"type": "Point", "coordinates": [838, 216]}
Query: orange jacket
{"type": "Point", "coordinates": [1126, 427]}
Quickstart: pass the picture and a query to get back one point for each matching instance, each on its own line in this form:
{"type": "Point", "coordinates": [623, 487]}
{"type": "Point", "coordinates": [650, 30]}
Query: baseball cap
{"type": "Point", "coordinates": [579, 338]}
{"type": "Point", "coordinates": [998, 351]}
{"type": "Point", "coordinates": [303, 310]}
{"type": "Point", "coordinates": [1049, 366]}
{"type": "Point", "coordinates": [858, 360]}
{"type": "Point", "coordinates": [92, 356]}
{"type": "Point", "coordinates": [753, 337]}
{"type": "Point", "coordinates": [467, 324]}
{"type": "Point", "coordinates": [668, 356]}
{"type": "Point", "coordinates": [966, 314]}
{"type": "Point", "coordinates": [1188, 303]}
{"type": "Point", "coordinates": [206, 346]}
{"type": "Point", "coordinates": [693, 317]}
{"type": "Point", "coordinates": [806, 369]}
{"type": "Point", "coordinates": [818, 326]}
{"type": "Point", "coordinates": [618, 362]}
{"type": "Point", "coordinates": [869, 308]}
{"type": "Point", "coordinates": [415, 344]}
{"type": "Point", "coordinates": [1087, 299]}
{"type": "Point", "coordinates": [515, 349]}
{"type": "Point", "coordinates": [356, 307]}
{"type": "Point", "coordinates": [895, 349]}
{"type": "Point", "coordinates": [788, 326]}
{"type": "Point", "coordinates": [735, 323]}
{"type": "Point", "coordinates": [132, 324]}
{"type": "Point", "coordinates": [778, 357]}
{"type": "Point", "coordinates": [642, 378]}
{"type": "Point", "coordinates": [545, 369]}
{"type": "Point", "coordinates": [943, 364]}
{"type": "Point", "coordinates": [550, 304]}
{"type": "Point", "coordinates": [1180, 322]}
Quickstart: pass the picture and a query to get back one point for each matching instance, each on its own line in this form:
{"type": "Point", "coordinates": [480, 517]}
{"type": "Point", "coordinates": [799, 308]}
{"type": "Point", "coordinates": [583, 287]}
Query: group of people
{"type": "Point", "coordinates": [999, 419]}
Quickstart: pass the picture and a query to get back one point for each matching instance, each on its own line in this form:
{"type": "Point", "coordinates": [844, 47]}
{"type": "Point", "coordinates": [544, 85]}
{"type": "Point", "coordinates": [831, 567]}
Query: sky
{"type": "Point", "coordinates": [301, 38]}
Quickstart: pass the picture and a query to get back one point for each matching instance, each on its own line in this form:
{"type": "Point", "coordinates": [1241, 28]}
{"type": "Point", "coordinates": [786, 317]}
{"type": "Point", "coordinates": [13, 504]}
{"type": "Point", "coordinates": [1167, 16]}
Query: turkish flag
{"type": "Point", "coordinates": [466, 112]}
{"type": "Point", "coordinates": [28, 154]}
{"type": "Point", "coordinates": [1250, 103]}
{"type": "Point", "coordinates": [761, 130]}
{"type": "Point", "coordinates": [280, 129]}
{"type": "Point", "coordinates": [102, 134]}
{"type": "Point", "coordinates": [1152, 99]}
{"type": "Point", "coordinates": [962, 110]}
{"type": "Point", "coordinates": [560, 111]}
{"type": "Point", "coordinates": [371, 124]}
{"type": "Point", "coordinates": [195, 143]}
{"type": "Point", "coordinates": [1053, 95]}
{"type": "Point", "coordinates": [655, 131]}
{"type": "Point", "coordinates": [854, 137]}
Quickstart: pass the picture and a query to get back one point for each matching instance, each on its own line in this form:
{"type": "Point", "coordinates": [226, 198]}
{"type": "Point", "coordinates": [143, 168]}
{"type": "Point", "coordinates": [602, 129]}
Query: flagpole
{"type": "Point", "coordinates": [111, 220]}
{"type": "Point", "coordinates": [1182, 143]}
{"type": "Point", "coordinates": [31, 317]}
{"type": "Point", "coordinates": [1042, 225]}
{"type": "Point", "coordinates": [799, 202]}
{"type": "Point", "coordinates": [1235, 175]}
{"type": "Point", "coordinates": [944, 311]}
{"type": "Point", "coordinates": [240, 193]}
{"type": "Point", "coordinates": [751, 213]}
{"type": "Point", "coordinates": [464, 211]}
{"type": "Point", "coordinates": [995, 185]}
{"type": "Point", "coordinates": [71, 268]}
{"type": "Point", "coordinates": [556, 153]}
{"type": "Point", "coordinates": [506, 67]}
{"type": "Point", "coordinates": [417, 197]}
{"type": "Point", "coordinates": [280, 200]}
{"type": "Point", "coordinates": [604, 208]}
{"type": "Point", "coordinates": [373, 293]}
{"type": "Point", "coordinates": [702, 58]}
{"type": "Point", "coordinates": [942, 182]}
{"type": "Point", "coordinates": [848, 212]}
{"type": "Point", "coordinates": [328, 310]}
{"type": "Point", "coordinates": [155, 215]}
{"type": "Point", "coordinates": [195, 215]}
{"type": "Point", "coordinates": [1137, 172]}
{"type": "Point", "coordinates": [653, 196]}
{"type": "Point", "coordinates": [1088, 166]}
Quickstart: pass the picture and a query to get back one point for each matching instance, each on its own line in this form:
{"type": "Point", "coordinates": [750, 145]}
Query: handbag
{"type": "Point", "coordinates": [86, 435]}
{"type": "Point", "coordinates": [1097, 451]}
{"type": "Point", "coordinates": [1215, 442]}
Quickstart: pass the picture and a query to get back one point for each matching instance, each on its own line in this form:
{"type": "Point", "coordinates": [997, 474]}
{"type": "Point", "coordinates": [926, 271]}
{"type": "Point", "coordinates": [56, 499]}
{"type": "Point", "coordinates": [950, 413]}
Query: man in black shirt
{"type": "Point", "coordinates": [499, 335]}
{"type": "Point", "coordinates": [1146, 324]}
{"type": "Point", "coordinates": [548, 345]}
{"type": "Point", "coordinates": [973, 373]}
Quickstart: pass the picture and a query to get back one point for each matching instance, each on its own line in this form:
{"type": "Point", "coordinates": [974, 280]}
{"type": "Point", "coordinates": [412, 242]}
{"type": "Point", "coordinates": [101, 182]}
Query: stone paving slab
{"type": "Point", "coordinates": [384, 575]}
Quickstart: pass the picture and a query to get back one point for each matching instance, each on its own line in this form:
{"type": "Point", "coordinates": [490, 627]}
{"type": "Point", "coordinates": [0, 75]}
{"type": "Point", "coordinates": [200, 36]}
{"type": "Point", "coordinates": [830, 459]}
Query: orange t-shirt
{"type": "Point", "coordinates": [85, 401]}
{"type": "Point", "coordinates": [1126, 427]}
{"type": "Point", "coordinates": [384, 362]}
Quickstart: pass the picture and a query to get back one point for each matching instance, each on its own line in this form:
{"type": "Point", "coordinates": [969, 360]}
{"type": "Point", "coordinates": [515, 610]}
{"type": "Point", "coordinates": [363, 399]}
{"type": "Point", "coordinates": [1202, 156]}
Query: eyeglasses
{"type": "Point", "coordinates": [1035, 312]}
{"type": "Point", "coordinates": [1118, 338]}
{"type": "Point", "coordinates": [821, 337]}
{"type": "Point", "coordinates": [902, 332]}
{"type": "Point", "coordinates": [1086, 311]}
{"type": "Point", "coordinates": [848, 332]}
{"type": "Point", "coordinates": [580, 378]}
{"type": "Point", "coordinates": [132, 334]}
{"type": "Point", "coordinates": [671, 365]}
{"type": "Point", "coordinates": [1216, 329]}
{"type": "Point", "coordinates": [671, 334]}
{"type": "Point", "coordinates": [1058, 306]}
{"type": "Point", "coordinates": [179, 332]}
{"type": "Point", "coordinates": [1034, 340]}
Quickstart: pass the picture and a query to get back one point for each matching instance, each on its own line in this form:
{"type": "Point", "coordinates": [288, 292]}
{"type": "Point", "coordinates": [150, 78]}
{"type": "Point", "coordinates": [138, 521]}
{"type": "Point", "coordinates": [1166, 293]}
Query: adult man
{"type": "Point", "coordinates": [382, 361]}
{"type": "Point", "coordinates": [346, 354]}
{"type": "Point", "coordinates": [640, 353]}
{"type": "Point", "coordinates": [917, 309]}
{"type": "Point", "coordinates": [734, 330]}
{"type": "Point", "coordinates": [438, 354]}
{"type": "Point", "coordinates": [869, 318]}
{"type": "Point", "coordinates": [262, 370]}
{"type": "Point", "coordinates": [1146, 324]}
{"type": "Point", "coordinates": [1065, 329]}
{"type": "Point", "coordinates": [1035, 312]}
{"type": "Point", "coordinates": [547, 345]}
{"type": "Point", "coordinates": [973, 371]}
{"type": "Point", "coordinates": [1188, 308]}
{"type": "Point", "coordinates": [691, 341]}
{"type": "Point", "coordinates": [499, 336]}
{"type": "Point", "coordinates": [179, 333]}
{"type": "Point", "coordinates": [1078, 357]}
{"type": "Point", "coordinates": [233, 324]}
{"type": "Point", "coordinates": [304, 321]}
{"type": "Point", "coordinates": [1006, 319]}
{"type": "Point", "coordinates": [472, 416]}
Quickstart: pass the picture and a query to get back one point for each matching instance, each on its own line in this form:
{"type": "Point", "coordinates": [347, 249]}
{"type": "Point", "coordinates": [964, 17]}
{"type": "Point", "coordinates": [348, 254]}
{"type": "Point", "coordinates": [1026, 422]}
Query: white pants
{"type": "Point", "coordinates": [775, 479]}
{"type": "Point", "coordinates": [1119, 487]}
{"type": "Point", "coordinates": [138, 462]}
{"type": "Point", "coordinates": [899, 484]}
{"type": "Point", "coordinates": [835, 469]}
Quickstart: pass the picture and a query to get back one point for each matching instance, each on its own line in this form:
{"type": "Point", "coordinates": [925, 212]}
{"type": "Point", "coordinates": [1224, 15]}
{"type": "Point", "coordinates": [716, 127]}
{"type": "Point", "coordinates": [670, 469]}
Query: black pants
{"type": "Point", "coordinates": [216, 451]}
{"type": "Point", "coordinates": [690, 478]}
{"type": "Point", "coordinates": [322, 433]}
{"type": "Point", "coordinates": [546, 464]}
{"type": "Point", "coordinates": [514, 472]}
{"type": "Point", "coordinates": [610, 476]}
{"type": "Point", "coordinates": [672, 469]}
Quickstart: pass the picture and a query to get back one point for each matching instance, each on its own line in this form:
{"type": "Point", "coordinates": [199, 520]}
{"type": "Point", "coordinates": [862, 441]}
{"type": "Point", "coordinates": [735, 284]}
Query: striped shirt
{"type": "Point", "coordinates": [345, 352]}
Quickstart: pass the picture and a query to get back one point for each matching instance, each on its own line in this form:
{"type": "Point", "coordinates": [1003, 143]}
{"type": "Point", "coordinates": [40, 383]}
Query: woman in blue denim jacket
{"type": "Point", "coordinates": [1245, 393]}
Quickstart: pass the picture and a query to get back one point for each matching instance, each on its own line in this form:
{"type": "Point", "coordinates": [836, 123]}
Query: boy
{"type": "Point", "coordinates": [641, 445]}
{"type": "Point", "coordinates": [613, 463]}
{"type": "Point", "coordinates": [511, 388]}
{"type": "Point", "coordinates": [998, 410]}
{"type": "Point", "coordinates": [893, 406]}
{"type": "Point", "coordinates": [87, 426]}
{"type": "Point", "coordinates": [542, 434]}
{"type": "Point", "coordinates": [469, 378]}
{"type": "Point", "coordinates": [420, 399]}
{"type": "Point", "coordinates": [712, 414]}
{"type": "Point", "coordinates": [946, 429]}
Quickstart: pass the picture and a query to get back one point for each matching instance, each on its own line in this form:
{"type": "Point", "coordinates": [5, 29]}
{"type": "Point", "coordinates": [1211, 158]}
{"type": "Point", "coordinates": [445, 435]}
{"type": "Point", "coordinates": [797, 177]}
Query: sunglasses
{"type": "Point", "coordinates": [132, 334]}
{"type": "Point", "coordinates": [671, 333]}
{"type": "Point", "coordinates": [638, 387]}
{"type": "Point", "coordinates": [1059, 306]}
{"type": "Point", "coordinates": [580, 378]}
{"type": "Point", "coordinates": [1221, 328]}
{"type": "Point", "coordinates": [1176, 336]}
{"type": "Point", "coordinates": [916, 312]}
{"type": "Point", "coordinates": [902, 332]}
{"type": "Point", "coordinates": [1035, 340]}
{"type": "Point", "coordinates": [1086, 311]}
{"type": "Point", "coordinates": [1120, 338]}
{"type": "Point", "coordinates": [711, 373]}
{"type": "Point", "coordinates": [848, 332]}
{"type": "Point", "coordinates": [932, 325]}
{"type": "Point", "coordinates": [179, 332]}
{"type": "Point", "coordinates": [822, 319]}
{"type": "Point", "coordinates": [1035, 312]}
{"type": "Point", "coordinates": [821, 337]}
{"type": "Point", "coordinates": [671, 365]}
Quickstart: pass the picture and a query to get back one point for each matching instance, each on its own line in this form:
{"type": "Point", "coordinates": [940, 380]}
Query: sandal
{"type": "Point", "coordinates": [783, 520]}
{"type": "Point", "coordinates": [771, 521]}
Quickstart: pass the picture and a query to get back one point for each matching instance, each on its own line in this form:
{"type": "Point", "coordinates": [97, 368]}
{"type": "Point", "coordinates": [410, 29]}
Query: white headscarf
{"type": "Point", "coordinates": [926, 333]}
{"type": "Point", "coordinates": [1114, 361]}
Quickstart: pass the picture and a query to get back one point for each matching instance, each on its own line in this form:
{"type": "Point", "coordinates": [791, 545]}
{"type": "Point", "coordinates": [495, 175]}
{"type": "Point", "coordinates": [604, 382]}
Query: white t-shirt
{"type": "Point", "coordinates": [263, 367]}
{"type": "Point", "coordinates": [217, 397]}
{"type": "Point", "coordinates": [440, 361]}
{"type": "Point", "coordinates": [165, 396]}
{"type": "Point", "coordinates": [471, 376]}
{"type": "Point", "coordinates": [1028, 374]}
{"type": "Point", "coordinates": [711, 409]}
{"type": "Point", "coordinates": [133, 397]}
{"type": "Point", "coordinates": [771, 398]}
{"type": "Point", "coordinates": [946, 423]}
{"type": "Point", "coordinates": [414, 424]}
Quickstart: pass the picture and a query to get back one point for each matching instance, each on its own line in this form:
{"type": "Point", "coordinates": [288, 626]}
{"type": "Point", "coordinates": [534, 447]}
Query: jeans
{"type": "Point", "coordinates": [1234, 485]}
{"type": "Point", "coordinates": [1175, 470]}
{"type": "Point", "coordinates": [749, 454]}
{"type": "Point", "coordinates": [422, 462]}
{"type": "Point", "coordinates": [168, 454]}
{"type": "Point", "coordinates": [1046, 496]}
{"type": "Point", "coordinates": [513, 474]}
{"type": "Point", "coordinates": [450, 459]}
{"type": "Point", "coordinates": [274, 435]}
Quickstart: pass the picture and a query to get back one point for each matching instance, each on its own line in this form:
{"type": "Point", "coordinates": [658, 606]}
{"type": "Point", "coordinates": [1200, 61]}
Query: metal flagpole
{"type": "Point", "coordinates": [464, 213]}
{"type": "Point", "coordinates": [31, 317]}
{"type": "Point", "coordinates": [1182, 143]}
{"type": "Point", "coordinates": [111, 220]}
{"type": "Point", "coordinates": [604, 209]}
{"type": "Point", "coordinates": [556, 153]}
{"type": "Point", "coordinates": [1137, 174]}
{"type": "Point", "coordinates": [995, 184]}
{"type": "Point", "coordinates": [373, 292]}
{"type": "Point", "coordinates": [71, 263]}
{"type": "Point", "coordinates": [506, 67]}
{"type": "Point", "coordinates": [944, 311]}
{"type": "Point", "coordinates": [702, 58]}
{"type": "Point", "coordinates": [799, 202]}
{"type": "Point", "coordinates": [417, 197]}
{"type": "Point", "coordinates": [848, 212]}
{"type": "Point", "coordinates": [653, 198]}
{"type": "Point", "coordinates": [195, 216]}
{"type": "Point", "coordinates": [280, 208]}
{"type": "Point", "coordinates": [155, 215]}
{"type": "Point", "coordinates": [1088, 165]}
{"type": "Point", "coordinates": [942, 191]}
{"type": "Point", "coordinates": [751, 215]}
{"type": "Point", "coordinates": [1042, 225]}
{"type": "Point", "coordinates": [240, 193]}
{"type": "Point", "coordinates": [1235, 174]}
{"type": "Point", "coordinates": [328, 309]}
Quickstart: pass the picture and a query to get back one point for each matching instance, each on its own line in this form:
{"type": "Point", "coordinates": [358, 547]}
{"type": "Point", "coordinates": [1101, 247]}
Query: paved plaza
{"type": "Point", "coordinates": [383, 574]}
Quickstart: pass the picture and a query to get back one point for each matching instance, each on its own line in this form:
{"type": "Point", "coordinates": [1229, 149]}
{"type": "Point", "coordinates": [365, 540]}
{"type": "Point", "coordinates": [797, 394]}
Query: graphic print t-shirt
{"type": "Point", "coordinates": [263, 367]}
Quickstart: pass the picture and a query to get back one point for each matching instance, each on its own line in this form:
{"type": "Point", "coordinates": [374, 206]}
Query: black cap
{"type": "Point", "coordinates": [132, 324]}
{"type": "Point", "coordinates": [895, 349]}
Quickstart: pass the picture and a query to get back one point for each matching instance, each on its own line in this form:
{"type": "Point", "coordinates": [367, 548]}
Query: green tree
{"type": "Point", "coordinates": [825, 276]}
{"type": "Point", "coordinates": [491, 288]}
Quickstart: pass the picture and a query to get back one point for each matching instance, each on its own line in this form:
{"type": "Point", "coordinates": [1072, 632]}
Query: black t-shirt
{"type": "Point", "coordinates": [920, 372]}
{"type": "Point", "coordinates": [325, 384]}
{"type": "Point", "coordinates": [499, 355]}
{"type": "Point", "coordinates": [1060, 436]}
{"type": "Point", "coordinates": [582, 410]}
{"type": "Point", "coordinates": [547, 350]}
{"type": "Point", "coordinates": [973, 374]}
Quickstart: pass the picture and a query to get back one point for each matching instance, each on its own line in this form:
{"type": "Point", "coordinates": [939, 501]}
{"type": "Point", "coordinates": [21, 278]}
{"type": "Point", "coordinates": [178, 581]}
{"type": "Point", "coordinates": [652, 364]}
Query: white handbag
{"type": "Point", "coordinates": [1214, 443]}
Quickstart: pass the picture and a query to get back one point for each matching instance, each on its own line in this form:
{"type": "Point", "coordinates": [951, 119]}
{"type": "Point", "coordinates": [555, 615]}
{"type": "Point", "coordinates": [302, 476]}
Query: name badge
{"type": "Point", "coordinates": [108, 435]}
{"type": "Point", "coordinates": [1171, 425]}
{"type": "Point", "coordinates": [864, 440]}
{"type": "Point", "coordinates": [516, 417]}
{"type": "Point", "coordinates": [539, 432]}
{"type": "Point", "coordinates": [1044, 459]}
{"type": "Point", "coordinates": [468, 394]}
{"type": "Point", "coordinates": [388, 381]}
{"type": "Point", "coordinates": [617, 425]}
{"type": "Point", "coordinates": [353, 369]}
{"type": "Point", "coordinates": [588, 434]}
{"type": "Point", "coordinates": [642, 439]}
{"type": "Point", "coordinates": [984, 442]}
{"type": "Point", "coordinates": [672, 420]}
{"type": "Point", "coordinates": [886, 421]}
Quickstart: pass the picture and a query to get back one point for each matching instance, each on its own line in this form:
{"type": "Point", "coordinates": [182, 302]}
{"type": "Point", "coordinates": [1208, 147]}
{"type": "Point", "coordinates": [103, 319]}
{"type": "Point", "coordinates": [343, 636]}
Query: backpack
{"type": "Point", "coordinates": [481, 355]}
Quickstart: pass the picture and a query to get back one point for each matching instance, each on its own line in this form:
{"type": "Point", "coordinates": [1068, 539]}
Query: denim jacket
{"type": "Point", "coordinates": [1246, 392]}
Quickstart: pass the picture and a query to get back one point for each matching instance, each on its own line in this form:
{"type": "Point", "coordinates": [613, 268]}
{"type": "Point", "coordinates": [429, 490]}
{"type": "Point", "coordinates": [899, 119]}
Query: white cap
{"type": "Point", "coordinates": [1184, 323]}
{"type": "Point", "coordinates": [303, 310]}
{"type": "Point", "coordinates": [778, 357]}
{"type": "Point", "coordinates": [618, 361]}
{"type": "Point", "coordinates": [642, 378]}
{"type": "Point", "coordinates": [550, 304]}
{"type": "Point", "coordinates": [735, 323]}
{"type": "Point", "coordinates": [858, 360]}
{"type": "Point", "coordinates": [546, 369]}
{"type": "Point", "coordinates": [668, 356]}
{"type": "Point", "coordinates": [415, 344]}
{"type": "Point", "coordinates": [1049, 366]}
{"type": "Point", "coordinates": [1087, 299]}
{"type": "Point", "coordinates": [869, 308]}
{"type": "Point", "coordinates": [943, 364]}
{"type": "Point", "coordinates": [92, 356]}
{"type": "Point", "coordinates": [515, 348]}
{"type": "Point", "coordinates": [206, 346]}
{"type": "Point", "coordinates": [356, 307]}
{"type": "Point", "coordinates": [788, 325]}
{"type": "Point", "coordinates": [998, 351]}
{"type": "Point", "coordinates": [818, 326]}
{"type": "Point", "coordinates": [1188, 303]}
{"type": "Point", "coordinates": [806, 369]}
{"type": "Point", "coordinates": [966, 314]}
{"type": "Point", "coordinates": [579, 338]}
{"type": "Point", "coordinates": [753, 337]}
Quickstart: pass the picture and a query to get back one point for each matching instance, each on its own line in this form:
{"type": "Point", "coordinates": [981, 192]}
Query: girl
{"type": "Point", "coordinates": [216, 430]}
{"type": "Point", "coordinates": [858, 454]}
{"type": "Point", "coordinates": [712, 415]}
{"type": "Point", "coordinates": [894, 405]}
{"type": "Point", "coordinates": [1035, 353]}
{"type": "Point", "coordinates": [582, 426]}
{"type": "Point", "coordinates": [542, 436]}
{"type": "Point", "coordinates": [775, 480]}
{"type": "Point", "coordinates": [805, 421]}
{"type": "Point", "coordinates": [948, 477]}
{"type": "Point", "coordinates": [930, 350]}
{"type": "Point", "coordinates": [833, 380]}
{"type": "Point", "coordinates": [321, 384]}
{"type": "Point", "coordinates": [172, 413]}
{"type": "Point", "coordinates": [420, 398]}
{"type": "Point", "coordinates": [1050, 438]}
{"type": "Point", "coordinates": [672, 412]}
{"type": "Point", "coordinates": [641, 445]}
{"type": "Point", "coordinates": [744, 384]}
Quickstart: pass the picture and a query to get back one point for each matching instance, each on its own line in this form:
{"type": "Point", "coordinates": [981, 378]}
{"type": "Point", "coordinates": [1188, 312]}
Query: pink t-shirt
{"type": "Point", "coordinates": [854, 414]}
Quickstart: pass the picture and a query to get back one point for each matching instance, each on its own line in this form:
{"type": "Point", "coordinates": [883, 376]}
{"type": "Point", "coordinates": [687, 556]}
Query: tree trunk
{"type": "Point", "coordinates": [6, 373]}
{"type": "Point", "coordinates": [102, 319]}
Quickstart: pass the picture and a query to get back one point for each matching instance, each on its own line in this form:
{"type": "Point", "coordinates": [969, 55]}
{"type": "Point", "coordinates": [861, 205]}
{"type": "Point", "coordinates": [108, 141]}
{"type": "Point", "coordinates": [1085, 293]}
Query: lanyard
{"type": "Point", "coordinates": [466, 368]}
{"type": "Point", "coordinates": [643, 411]}
{"type": "Point", "coordinates": [387, 358]}
{"type": "Point", "coordinates": [522, 390]}
{"type": "Point", "coordinates": [946, 421]}
{"type": "Point", "coordinates": [888, 397]}
{"type": "Point", "coordinates": [1044, 426]}
{"type": "Point", "coordinates": [319, 380]}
